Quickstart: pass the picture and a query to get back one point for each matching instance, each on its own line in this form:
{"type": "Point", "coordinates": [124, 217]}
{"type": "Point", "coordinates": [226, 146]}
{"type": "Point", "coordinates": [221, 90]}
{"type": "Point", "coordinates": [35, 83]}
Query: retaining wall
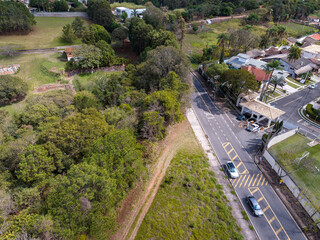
{"type": "Point", "coordinates": [61, 14]}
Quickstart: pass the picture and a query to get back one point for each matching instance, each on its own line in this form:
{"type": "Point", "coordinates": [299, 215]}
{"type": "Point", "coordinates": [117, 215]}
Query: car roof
{"type": "Point", "coordinates": [230, 163]}
{"type": "Point", "coordinates": [253, 200]}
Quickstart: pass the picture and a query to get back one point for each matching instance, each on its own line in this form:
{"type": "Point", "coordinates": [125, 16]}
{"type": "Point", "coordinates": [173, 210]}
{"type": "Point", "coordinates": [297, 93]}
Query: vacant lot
{"type": "Point", "coordinates": [305, 175]}
{"type": "Point", "coordinates": [189, 203]}
{"type": "Point", "coordinates": [208, 34]}
{"type": "Point", "coordinates": [46, 33]}
{"type": "Point", "coordinates": [297, 30]}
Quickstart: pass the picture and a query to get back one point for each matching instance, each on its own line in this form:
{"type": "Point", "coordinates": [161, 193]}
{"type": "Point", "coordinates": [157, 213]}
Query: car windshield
{"type": "Point", "coordinates": [257, 207]}
{"type": "Point", "coordinates": [231, 167]}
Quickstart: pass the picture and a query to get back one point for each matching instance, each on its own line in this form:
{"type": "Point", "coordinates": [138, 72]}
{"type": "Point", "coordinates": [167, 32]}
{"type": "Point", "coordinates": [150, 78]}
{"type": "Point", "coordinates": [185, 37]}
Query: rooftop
{"type": "Point", "coordinates": [315, 36]}
{"type": "Point", "coordinates": [263, 109]}
{"type": "Point", "coordinates": [312, 49]}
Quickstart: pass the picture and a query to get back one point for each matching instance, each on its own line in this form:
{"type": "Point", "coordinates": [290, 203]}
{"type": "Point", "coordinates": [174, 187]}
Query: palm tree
{"type": "Point", "coordinates": [294, 53]}
{"type": "Point", "coordinates": [222, 39]}
{"type": "Point", "coordinates": [269, 69]}
{"type": "Point", "coordinates": [276, 80]}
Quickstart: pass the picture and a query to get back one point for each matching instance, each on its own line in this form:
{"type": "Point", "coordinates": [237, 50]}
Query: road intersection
{"type": "Point", "coordinates": [233, 144]}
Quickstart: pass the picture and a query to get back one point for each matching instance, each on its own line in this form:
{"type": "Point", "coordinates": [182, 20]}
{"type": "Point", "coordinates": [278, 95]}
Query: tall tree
{"type": "Point", "coordinates": [294, 53]}
{"type": "Point", "coordinates": [100, 12]}
{"type": "Point", "coordinates": [68, 34]}
{"type": "Point", "coordinates": [269, 69]}
{"type": "Point", "coordinates": [78, 26]}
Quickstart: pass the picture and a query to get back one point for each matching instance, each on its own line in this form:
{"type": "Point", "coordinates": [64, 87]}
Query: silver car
{"type": "Point", "coordinates": [254, 205]}
{"type": "Point", "coordinates": [232, 170]}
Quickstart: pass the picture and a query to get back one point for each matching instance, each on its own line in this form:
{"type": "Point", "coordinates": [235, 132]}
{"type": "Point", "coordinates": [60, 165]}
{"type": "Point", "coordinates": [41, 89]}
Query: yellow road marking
{"type": "Point", "coordinates": [279, 230]}
{"type": "Point", "coordinates": [243, 180]}
{"type": "Point", "coordinates": [246, 181]}
{"type": "Point", "coordinates": [266, 208]}
{"type": "Point", "coordinates": [274, 215]}
{"type": "Point", "coordinates": [266, 183]}
{"type": "Point", "coordinates": [259, 180]}
{"type": "Point", "coordinates": [251, 180]}
{"type": "Point", "coordinates": [238, 165]}
{"type": "Point", "coordinates": [255, 180]}
{"type": "Point", "coordinates": [226, 144]}
{"type": "Point", "coordinates": [272, 219]}
{"type": "Point", "coordinates": [227, 139]}
{"type": "Point", "coordinates": [230, 151]}
{"type": "Point", "coordinates": [263, 181]}
{"type": "Point", "coordinates": [238, 181]}
{"type": "Point", "coordinates": [234, 157]}
{"type": "Point", "coordinates": [254, 190]}
{"type": "Point", "coordinates": [260, 199]}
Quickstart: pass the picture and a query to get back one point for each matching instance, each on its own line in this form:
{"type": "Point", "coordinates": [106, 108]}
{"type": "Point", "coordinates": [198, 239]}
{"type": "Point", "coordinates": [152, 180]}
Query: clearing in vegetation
{"type": "Point", "coordinates": [306, 177]}
{"type": "Point", "coordinates": [189, 202]}
{"type": "Point", "coordinates": [297, 30]}
{"type": "Point", "coordinates": [45, 34]}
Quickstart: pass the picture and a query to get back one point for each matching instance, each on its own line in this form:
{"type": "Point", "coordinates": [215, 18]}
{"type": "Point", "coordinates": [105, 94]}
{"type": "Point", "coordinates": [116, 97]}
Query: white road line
{"type": "Point", "coordinates": [292, 101]}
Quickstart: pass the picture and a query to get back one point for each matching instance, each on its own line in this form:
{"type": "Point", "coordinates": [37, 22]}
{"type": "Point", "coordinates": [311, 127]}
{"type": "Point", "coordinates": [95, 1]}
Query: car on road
{"type": "Point", "coordinates": [232, 170]}
{"type": "Point", "coordinates": [312, 86]}
{"type": "Point", "coordinates": [254, 206]}
{"type": "Point", "coordinates": [253, 127]}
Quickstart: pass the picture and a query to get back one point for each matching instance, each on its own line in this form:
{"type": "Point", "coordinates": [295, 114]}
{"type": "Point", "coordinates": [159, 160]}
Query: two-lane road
{"type": "Point", "coordinates": [230, 143]}
{"type": "Point", "coordinates": [291, 105]}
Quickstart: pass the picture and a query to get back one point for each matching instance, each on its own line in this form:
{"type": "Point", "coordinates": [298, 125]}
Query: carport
{"type": "Point", "coordinates": [261, 110]}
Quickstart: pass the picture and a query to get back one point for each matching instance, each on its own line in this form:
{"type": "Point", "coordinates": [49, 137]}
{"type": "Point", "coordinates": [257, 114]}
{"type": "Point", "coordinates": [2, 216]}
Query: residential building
{"type": "Point", "coordinates": [130, 12]}
{"type": "Point", "coordinates": [254, 66]}
{"type": "Point", "coordinates": [313, 19]}
{"type": "Point", "coordinates": [291, 41]}
{"type": "Point", "coordinates": [69, 52]}
{"type": "Point", "coordinates": [295, 68]}
{"type": "Point", "coordinates": [312, 51]}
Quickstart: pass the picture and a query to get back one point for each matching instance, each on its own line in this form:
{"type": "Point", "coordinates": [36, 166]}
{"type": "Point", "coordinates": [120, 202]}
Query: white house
{"type": "Point", "coordinates": [130, 12]}
{"type": "Point", "coordinates": [312, 51]}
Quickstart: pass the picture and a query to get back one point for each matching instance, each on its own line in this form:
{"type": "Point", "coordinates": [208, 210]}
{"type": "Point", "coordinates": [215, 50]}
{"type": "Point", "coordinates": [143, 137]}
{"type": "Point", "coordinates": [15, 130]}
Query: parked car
{"type": "Point", "coordinates": [253, 127]}
{"type": "Point", "coordinates": [254, 206]}
{"type": "Point", "coordinates": [232, 170]}
{"type": "Point", "coordinates": [241, 117]}
{"type": "Point", "coordinates": [312, 86]}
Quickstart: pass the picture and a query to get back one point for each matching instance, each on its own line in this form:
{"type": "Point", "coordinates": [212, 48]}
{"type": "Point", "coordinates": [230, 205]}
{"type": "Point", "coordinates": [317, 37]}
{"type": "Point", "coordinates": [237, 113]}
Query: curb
{"type": "Point", "coordinates": [301, 114]}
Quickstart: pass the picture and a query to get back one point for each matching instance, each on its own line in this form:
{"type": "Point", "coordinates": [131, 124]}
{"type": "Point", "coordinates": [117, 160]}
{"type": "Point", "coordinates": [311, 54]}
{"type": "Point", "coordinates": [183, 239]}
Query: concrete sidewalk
{"type": "Point", "coordinates": [215, 164]}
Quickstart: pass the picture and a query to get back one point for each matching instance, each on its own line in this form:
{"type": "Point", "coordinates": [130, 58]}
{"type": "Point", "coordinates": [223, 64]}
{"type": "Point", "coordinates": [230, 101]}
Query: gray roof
{"type": "Point", "coordinates": [255, 53]}
{"type": "Point", "coordinates": [291, 39]}
{"type": "Point", "coordinates": [301, 62]}
{"type": "Point", "coordinates": [303, 70]}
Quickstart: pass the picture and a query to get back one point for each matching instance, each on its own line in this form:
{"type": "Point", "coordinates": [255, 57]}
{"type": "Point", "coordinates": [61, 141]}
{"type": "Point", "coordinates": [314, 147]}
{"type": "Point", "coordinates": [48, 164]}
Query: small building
{"type": "Point", "coordinates": [292, 41]}
{"type": "Point", "coordinates": [130, 12]}
{"type": "Point", "coordinates": [313, 19]}
{"type": "Point", "coordinates": [69, 53]}
{"type": "Point", "coordinates": [312, 51]}
{"type": "Point", "coordinates": [291, 66]}
{"type": "Point", "coordinates": [256, 53]}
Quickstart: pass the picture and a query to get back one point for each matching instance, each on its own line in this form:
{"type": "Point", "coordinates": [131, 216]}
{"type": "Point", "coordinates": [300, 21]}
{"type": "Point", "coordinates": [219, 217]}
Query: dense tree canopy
{"type": "Point", "coordinates": [11, 89]}
{"type": "Point", "coordinates": [100, 12]}
{"type": "Point", "coordinates": [15, 17]}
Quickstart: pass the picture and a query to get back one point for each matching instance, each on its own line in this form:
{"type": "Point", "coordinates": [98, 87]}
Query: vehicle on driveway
{"type": "Point", "coordinates": [312, 86]}
{"type": "Point", "coordinates": [253, 127]}
{"type": "Point", "coordinates": [254, 206]}
{"type": "Point", "coordinates": [232, 170]}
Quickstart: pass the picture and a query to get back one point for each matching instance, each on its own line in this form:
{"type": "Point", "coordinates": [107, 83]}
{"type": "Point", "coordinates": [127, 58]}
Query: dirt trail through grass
{"type": "Point", "coordinates": [130, 225]}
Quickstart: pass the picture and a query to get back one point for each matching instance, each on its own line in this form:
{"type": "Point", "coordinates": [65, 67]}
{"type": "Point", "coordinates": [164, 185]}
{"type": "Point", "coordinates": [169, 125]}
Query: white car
{"type": "Point", "coordinates": [312, 86]}
{"type": "Point", "coordinates": [253, 127]}
{"type": "Point", "coordinates": [232, 170]}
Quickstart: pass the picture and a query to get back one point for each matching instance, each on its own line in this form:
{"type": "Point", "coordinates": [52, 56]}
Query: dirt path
{"type": "Point", "coordinates": [135, 217]}
{"type": "Point", "coordinates": [220, 19]}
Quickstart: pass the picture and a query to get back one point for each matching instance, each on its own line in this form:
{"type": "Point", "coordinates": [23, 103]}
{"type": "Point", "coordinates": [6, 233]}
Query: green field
{"type": "Point", "coordinates": [207, 36]}
{"type": "Point", "coordinates": [298, 30]}
{"type": "Point", "coordinates": [45, 34]}
{"type": "Point", "coordinates": [286, 153]}
{"type": "Point", "coordinates": [189, 203]}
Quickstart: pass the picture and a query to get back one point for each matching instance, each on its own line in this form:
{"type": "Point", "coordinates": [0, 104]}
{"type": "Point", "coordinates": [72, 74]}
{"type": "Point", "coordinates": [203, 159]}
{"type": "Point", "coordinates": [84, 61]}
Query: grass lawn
{"type": "Point", "coordinates": [34, 71]}
{"type": "Point", "coordinates": [189, 203]}
{"type": "Point", "coordinates": [288, 150]}
{"type": "Point", "coordinates": [46, 33]}
{"type": "Point", "coordinates": [297, 30]}
{"type": "Point", "coordinates": [208, 35]}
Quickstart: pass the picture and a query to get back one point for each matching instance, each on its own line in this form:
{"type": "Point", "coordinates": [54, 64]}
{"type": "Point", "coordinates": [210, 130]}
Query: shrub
{"type": "Point", "coordinates": [11, 89]}
{"type": "Point", "coordinates": [313, 114]}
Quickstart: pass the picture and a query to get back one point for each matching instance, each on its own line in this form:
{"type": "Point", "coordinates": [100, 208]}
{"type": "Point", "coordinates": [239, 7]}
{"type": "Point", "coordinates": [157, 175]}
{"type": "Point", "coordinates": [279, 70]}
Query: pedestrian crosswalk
{"type": "Point", "coordinates": [249, 180]}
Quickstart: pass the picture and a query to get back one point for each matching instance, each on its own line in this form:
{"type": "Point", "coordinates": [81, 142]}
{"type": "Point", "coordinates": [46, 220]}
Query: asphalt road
{"type": "Point", "coordinates": [291, 105]}
{"type": "Point", "coordinates": [230, 142]}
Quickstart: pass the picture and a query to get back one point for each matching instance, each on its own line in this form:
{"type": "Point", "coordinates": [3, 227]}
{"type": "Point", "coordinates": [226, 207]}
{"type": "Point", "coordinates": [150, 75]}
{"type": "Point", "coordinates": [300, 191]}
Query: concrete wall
{"type": "Point", "coordinates": [61, 14]}
{"type": "Point", "coordinates": [296, 191]}
{"type": "Point", "coordinates": [281, 137]}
